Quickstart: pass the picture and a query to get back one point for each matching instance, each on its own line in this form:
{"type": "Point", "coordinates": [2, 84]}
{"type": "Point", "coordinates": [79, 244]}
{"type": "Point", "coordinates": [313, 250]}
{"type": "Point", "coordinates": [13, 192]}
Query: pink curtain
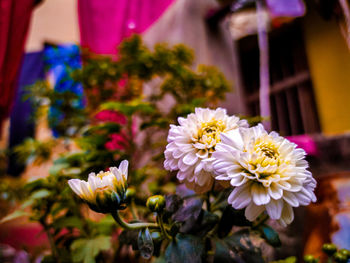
{"type": "Point", "coordinates": [14, 23]}
{"type": "Point", "coordinates": [104, 24]}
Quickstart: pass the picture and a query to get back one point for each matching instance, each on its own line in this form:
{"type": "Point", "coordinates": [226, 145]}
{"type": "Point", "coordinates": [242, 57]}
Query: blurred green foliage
{"type": "Point", "coordinates": [92, 143]}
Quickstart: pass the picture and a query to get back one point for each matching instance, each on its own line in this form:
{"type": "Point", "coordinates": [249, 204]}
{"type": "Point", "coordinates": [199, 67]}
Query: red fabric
{"type": "Point", "coordinates": [19, 234]}
{"type": "Point", "coordinates": [104, 24]}
{"type": "Point", "coordinates": [14, 22]}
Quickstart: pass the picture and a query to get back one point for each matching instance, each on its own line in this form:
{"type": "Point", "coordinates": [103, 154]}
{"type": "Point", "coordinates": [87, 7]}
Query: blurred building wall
{"type": "Point", "coordinates": [54, 21]}
{"type": "Point", "coordinates": [329, 62]}
{"type": "Point", "coordinates": [185, 22]}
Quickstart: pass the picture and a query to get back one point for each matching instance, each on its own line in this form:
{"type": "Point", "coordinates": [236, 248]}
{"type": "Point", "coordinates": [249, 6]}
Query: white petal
{"type": "Point", "coordinates": [274, 191]}
{"type": "Point", "coordinates": [92, 182]}
{"type": "Point", "coordinates": [253, 211]}
{"type": "Point", "coordinates": [238, 180]}
{"type": "Point", "coordinates": [304, 197]}
{"type": "Point", "coordinates": [75, 185]}
{"type": "Point", "coordinates": [182, 121]}
{"type": "Point", "coordinates": [239, 197]}
{"type": "Point", "coordinates": [117, 173]}
{"type": "Point", "coordinates": [259, 194]}
{"type": "Point", "coordinates": [199, 168]}
{"type": "Point", "coordinates": [223, 155]}
{"type": "Point", "coordinates": [203, 178]}
{"type": "Point", "coordinates": [123, 167]}
{"type": "Point", "coordinates": [182, 175]}
{"type": "Point", "coordinates": [291, 199]}
{"type": "Point", "coordinates": [178, 153]}
{"type": "Point", "coordinates": [182, 166]}
{"type": "Point", "coordinates": [190, 158]}
{"type": "Point", "coordinates": [87, 194]}
{"type": "Point", "coordinates": [287, 215]}
{"type": "Point", "coordinates": [202, 154]}
{"type": "Point", "coordinates": [274, 208]}
{"type": "Point", "coordinates": [198, 145]}
{"type": "Point", "coordinates": [232, 138]}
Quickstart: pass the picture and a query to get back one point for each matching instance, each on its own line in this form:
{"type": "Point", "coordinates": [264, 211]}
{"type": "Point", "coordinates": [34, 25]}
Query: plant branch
{"type": "Point", "coordinates": [162, 228]}
{"type": "Point", "coordinates": [50, 238]}
{"type": "Point", "coordinates": [133, 210]}
{"type": "Point", "coordinates": [133, 226]}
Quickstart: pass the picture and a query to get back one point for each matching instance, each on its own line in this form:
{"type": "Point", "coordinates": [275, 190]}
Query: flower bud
{"type": "Point", "coordinates": [340, 258]}
{"type": "Point", "coordinates": [310, 259]}
{"type": "Point", "coordinates": [329, 249]}
{"type": "Point", "coordinates": [156, 203]}
{"type": "Point", "coordinates": [345, 252]}
{"type": "Point", "coordinates": [130, 193]}
{"type": "Point", "coordinates": [156, 236]}
{"type": "Point", "coordinates": [104, 192]}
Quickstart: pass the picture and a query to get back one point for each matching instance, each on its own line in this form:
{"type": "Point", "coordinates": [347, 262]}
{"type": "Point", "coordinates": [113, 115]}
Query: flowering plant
{"type": "Point", "coordinates": [223, 180]}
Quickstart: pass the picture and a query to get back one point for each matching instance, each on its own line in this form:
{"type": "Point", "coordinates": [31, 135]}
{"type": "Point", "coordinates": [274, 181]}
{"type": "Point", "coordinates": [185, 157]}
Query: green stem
{"type": "Point", "coordinates": [133, 226]}
{"type": "Point", "coordinates": [208, 197]}
{"type": "Point", "coordinates": [133, 210]}
{"type": "Point", "coordinates": [131, 148]}
{"type": "Point", "coordinates": [162, 228]}
{"type": "Point", "coordinates": [208, 201]}
{"type": "Point", "coordinates": [51, 240]}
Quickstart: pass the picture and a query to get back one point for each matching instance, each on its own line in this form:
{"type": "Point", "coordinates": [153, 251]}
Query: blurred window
{"type": "Point", "coordinates": [293, 109]}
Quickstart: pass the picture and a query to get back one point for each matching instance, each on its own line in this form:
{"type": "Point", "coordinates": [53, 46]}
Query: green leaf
{"type": "Point", "coordinates": [40, 194]}
{"type": "Point", "coordinates": [270, 235]}
{"type": "Point", "coordinates": [231, 217]}
{"type": "Point", "coordinates": [287, 260]}
{"type": "Point", "coordinates": [86, 250]}
{"type": "Point", "coordinates": [208, 222]}
{"type": "Point", "coordinates": [129, 237]}
{"type": "Point", "coordinates": [191, 208]}
{"type": "Point", "coordinates": [57, 168]}
{"type": "Point", "coordinates": [27, 203]}
{"type": "Point", "coordinates": [110, 127]}
{"type": "Point", "coordinates": [14, 215]}
{"type": "Point", "coordinates": [185, 248]}
{"type": "Point", "coordinates": [71, 221]}
{"type": "Point", "coordinates": [237, 248]}
{"type": "Point", "coordinates": [223, 253]}
{"type": "Point", "coordinates": [48, 259]}
{"type": "Point", "coordinates": [129, 108]}
{"type": "Point", "coordinates": [105, 226]}
{"type": "Point", "coordinates": [31, 186]}
{"type": "Point", "coordinates": [160, 260]}
{"type": "Point", "coordinates": [290, 260]}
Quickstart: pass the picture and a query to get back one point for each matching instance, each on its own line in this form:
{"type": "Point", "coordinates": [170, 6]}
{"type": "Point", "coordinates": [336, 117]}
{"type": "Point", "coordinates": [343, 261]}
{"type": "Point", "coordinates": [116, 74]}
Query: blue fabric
{"type": "Point", "coordinates": [21, 124]}
{"type": "Point", "coordinates": [60, 62]}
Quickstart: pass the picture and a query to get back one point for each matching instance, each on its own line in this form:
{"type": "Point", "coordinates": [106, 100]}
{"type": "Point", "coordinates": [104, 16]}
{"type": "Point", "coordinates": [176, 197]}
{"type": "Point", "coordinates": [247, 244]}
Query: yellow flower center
{"type": "Point", "coordinates": [101, 190]}
{"type": "Point", "coordinates": [103, 174]}
{"type": "Point", "coordinates": [209, 133]}
{"type": "Point", "coordinates": [115, 182]}
{"type": "Point", "coordinates": [267, 151]}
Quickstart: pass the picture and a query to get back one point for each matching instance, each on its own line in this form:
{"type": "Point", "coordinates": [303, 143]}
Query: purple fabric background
{"type": "Point", "coordinates": [21, 125]}
{"type": "Point", "coordinates": [286, 8]}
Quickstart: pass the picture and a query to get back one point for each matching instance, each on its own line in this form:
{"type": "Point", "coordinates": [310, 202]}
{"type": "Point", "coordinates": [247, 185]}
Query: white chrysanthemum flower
{"type": "Point", "coordinates": [191, 144]}
{"type": "Point", "coordinates": [268, 173]}
{"type": "Point", "coordinates": [104, 191]}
